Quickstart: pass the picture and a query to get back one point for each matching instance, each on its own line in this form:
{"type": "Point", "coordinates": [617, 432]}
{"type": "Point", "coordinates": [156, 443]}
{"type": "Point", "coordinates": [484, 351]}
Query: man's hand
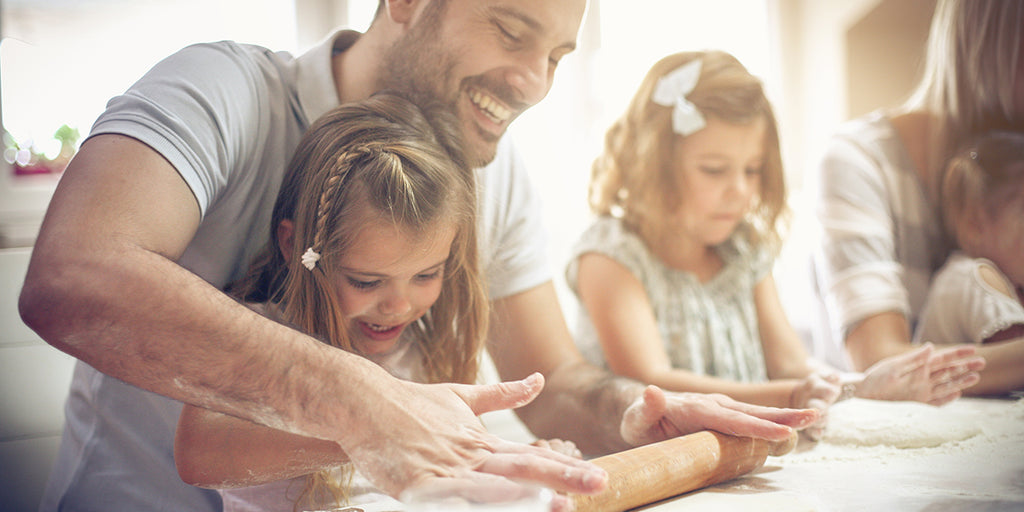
{"type": "Point", "coordinates": [658, 415]}
{"type": "Point", "coordinates": [429, 437]}
{"type": "Point", "coordinates": [925, 375]}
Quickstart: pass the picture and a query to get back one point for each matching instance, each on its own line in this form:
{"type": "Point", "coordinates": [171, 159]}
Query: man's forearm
{"type": "Point", "coordinates": [149, 322]}
{"type": "Point", "coordinates": [584, 404]}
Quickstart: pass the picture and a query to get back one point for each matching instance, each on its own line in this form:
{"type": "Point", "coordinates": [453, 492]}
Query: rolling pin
{"type": "Point", "coordinates": [653, 472]}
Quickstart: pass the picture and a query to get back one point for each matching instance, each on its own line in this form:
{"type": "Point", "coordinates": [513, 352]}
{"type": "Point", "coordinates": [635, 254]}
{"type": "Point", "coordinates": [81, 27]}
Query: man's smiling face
{"type": "Point", "coordinates": [487, 60]}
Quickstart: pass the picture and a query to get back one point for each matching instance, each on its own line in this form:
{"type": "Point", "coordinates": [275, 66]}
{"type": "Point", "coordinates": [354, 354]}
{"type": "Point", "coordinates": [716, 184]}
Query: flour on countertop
{"type": "Point", "coordinates": [860, 429]}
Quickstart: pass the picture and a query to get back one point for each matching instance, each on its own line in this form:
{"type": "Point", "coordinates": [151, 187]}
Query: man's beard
{"type": "Point", "coordinates": [420, 66]}
{"type": "Point", "coordinates": [417, 65]}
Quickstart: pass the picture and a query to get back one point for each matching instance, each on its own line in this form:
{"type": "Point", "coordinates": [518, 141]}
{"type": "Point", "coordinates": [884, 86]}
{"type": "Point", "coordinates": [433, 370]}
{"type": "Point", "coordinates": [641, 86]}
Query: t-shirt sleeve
{"type": "Point", "coordinates": [855, 257]}
{"type": "Point", "coordinates": [966, 308]}
{"type": "Point", "coordinates": [198, 109]}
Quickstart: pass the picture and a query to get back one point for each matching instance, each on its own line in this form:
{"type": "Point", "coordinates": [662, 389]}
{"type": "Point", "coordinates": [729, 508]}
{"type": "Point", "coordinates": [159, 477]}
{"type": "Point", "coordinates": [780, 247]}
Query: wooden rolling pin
{"type": "Point", "coordinates": [651, 473]}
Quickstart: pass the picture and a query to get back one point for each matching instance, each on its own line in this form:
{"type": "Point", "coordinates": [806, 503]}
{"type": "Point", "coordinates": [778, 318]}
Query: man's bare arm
{"type": "Point", "coordinates": [600, 412]}
{"type": "Point", "coordinates": [104, 286]}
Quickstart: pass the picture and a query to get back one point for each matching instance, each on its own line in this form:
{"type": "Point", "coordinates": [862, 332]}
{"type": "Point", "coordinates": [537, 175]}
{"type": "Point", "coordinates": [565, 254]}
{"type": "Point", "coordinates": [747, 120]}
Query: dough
{"type": "Point", "coordinates": [903, 425]}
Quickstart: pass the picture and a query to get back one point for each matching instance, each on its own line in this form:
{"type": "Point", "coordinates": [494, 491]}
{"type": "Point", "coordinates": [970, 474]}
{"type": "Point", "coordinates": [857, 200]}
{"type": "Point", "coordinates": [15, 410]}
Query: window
{"type": "Point", "coordinates": [61, 60]}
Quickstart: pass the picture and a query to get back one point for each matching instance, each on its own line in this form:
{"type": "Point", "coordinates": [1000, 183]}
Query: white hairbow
{"type": "Point", "coordinates": [309, 258]}
{"type": "Point", "coordinates": [671, 91]}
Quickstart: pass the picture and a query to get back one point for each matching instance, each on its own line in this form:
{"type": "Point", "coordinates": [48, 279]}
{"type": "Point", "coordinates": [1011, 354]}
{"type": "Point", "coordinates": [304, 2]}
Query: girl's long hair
{"type": "Point", "coordinates": [403, 161]}
{"type": "Point", "coordinates": [634, 178]}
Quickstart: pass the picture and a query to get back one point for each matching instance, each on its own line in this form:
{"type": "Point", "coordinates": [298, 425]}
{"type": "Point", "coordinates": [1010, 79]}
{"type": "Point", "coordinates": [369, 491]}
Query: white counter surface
{"type": "Point", "coordinates": [888, 456]}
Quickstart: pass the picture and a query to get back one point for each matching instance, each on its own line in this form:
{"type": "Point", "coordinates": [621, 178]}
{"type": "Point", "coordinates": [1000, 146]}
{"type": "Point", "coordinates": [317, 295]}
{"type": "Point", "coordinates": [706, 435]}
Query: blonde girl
{"type": "Point", "coordinates": [373, 250]}
{"type": "Point", "coordinates": [978, 294]}
{"type": "Point", "coordinates": [674, 276]}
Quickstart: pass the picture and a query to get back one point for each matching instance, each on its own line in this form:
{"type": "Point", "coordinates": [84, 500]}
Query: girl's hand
{"type": "Point", "coordinates": [925, 375]}
{"type": "Point", "coordinates": [817, 391]}
{"type": "Point", "coordinates": [560, 446]}
{"type": "Point", "coordinates": [817, 388]}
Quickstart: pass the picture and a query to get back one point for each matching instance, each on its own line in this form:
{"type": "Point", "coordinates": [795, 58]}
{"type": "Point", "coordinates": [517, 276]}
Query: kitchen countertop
{"type": "Point", "coordinates": [882, 456]}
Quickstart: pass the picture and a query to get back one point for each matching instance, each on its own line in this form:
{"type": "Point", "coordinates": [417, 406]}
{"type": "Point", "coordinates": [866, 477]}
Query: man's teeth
{"type": "Point", "coordinates": [494, 111]}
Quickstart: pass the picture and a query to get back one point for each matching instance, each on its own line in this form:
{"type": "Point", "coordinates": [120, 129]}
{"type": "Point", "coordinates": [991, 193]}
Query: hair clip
{"type": "Point", "coordinates": [671, 91]}
{"type": "Point", "coordinates": [309, 258]}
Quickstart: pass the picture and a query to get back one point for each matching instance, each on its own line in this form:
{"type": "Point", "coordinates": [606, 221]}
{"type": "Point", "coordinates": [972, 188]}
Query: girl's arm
{"type": "Point", "coordinates": [622, 315]}
{"type": "Point", "coordinates": [218, 451]}
{"type": "Point", "coordinates": [215, 450]}
{"type": "Point", "coordinates": [1004, 350]}
{"type": "Point", "coordinates": [786, 357]}
{"type": "Point", "coordinates": [784, 352]}
{"type": "Point", "coordinates": [1004, 368]}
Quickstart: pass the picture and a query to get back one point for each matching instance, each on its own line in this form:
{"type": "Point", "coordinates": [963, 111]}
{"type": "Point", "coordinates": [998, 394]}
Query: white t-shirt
{"type": "Point", "coordinates": [963, 308]}
{"type": "Point", "coordinates": [228, 117]}
{"type": "Point", "coordinates": [880, 239]}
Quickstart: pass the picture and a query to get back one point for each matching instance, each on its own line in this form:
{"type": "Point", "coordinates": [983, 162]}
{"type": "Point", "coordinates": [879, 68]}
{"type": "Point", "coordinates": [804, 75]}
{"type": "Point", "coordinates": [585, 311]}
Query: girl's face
{"type": "Point", "coordinates": [719, 174]}
{"type": "Point", "coordinates": [388, 279]}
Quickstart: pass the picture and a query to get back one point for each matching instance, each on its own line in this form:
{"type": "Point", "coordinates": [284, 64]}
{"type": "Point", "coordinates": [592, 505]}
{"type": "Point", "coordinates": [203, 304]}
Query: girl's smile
{"type": "Point", "coordinates": [388, 279]}
{"type": "Point", "coordinates": [380, 332]}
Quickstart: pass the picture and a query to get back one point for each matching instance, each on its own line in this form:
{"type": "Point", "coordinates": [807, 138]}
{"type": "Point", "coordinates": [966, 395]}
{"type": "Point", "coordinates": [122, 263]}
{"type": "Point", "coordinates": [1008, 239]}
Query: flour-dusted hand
{"type": "Point", "coordinates": [925, 375]}
{"type": "Point", "coordinates": [560, 445]}
{"type": "Point", "coordinates": [818, 391]}
{"type": "Point", "coordinates": [429, 436]}
{"type": "Point", "coordinates": [658, 415]}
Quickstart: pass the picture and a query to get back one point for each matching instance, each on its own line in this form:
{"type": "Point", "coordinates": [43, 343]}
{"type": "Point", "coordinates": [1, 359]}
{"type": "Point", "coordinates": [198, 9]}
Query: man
{"type": "Point", "coordinates": [165, 203]}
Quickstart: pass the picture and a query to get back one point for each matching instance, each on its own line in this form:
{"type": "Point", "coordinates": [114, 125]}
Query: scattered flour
{"type": "Point", "coordinates": [888, 456]}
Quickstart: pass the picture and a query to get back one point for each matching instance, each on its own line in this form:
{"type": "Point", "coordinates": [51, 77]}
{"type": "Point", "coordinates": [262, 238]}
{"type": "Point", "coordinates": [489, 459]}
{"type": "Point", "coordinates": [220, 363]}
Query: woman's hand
{"type": "Point", "coordinates": [924, 375]}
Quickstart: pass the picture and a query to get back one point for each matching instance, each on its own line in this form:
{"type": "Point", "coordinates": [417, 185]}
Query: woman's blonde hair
{"type": "Point", "coordinates": [634, 177]}
{"type": "Point", "coordinates": [982, 179]}
{"type": "Point", "coordinates": [971, 68]}
{"type": "Point", "coordinates": [404, 162]}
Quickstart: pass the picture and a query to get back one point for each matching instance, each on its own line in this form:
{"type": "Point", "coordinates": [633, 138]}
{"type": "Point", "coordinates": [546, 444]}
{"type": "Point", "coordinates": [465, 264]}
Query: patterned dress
{"type": "Point", "coordinates": [707, 328]}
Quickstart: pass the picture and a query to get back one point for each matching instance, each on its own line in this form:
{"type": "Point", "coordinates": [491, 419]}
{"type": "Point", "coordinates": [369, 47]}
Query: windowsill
{"type": "Point", "coordinates": [23, 202]}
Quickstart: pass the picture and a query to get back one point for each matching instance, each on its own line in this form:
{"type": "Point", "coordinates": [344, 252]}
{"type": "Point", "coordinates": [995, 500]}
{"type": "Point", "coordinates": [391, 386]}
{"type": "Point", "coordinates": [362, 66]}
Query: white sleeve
{"type": "Point", "coordinates": [198, 108]}
{"type": "Point", "coordinates": [963, 308]}
{"type": "Point", "coordinates": [858, 272]}
{"type": "Point", "coordinates": [512, 238]}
